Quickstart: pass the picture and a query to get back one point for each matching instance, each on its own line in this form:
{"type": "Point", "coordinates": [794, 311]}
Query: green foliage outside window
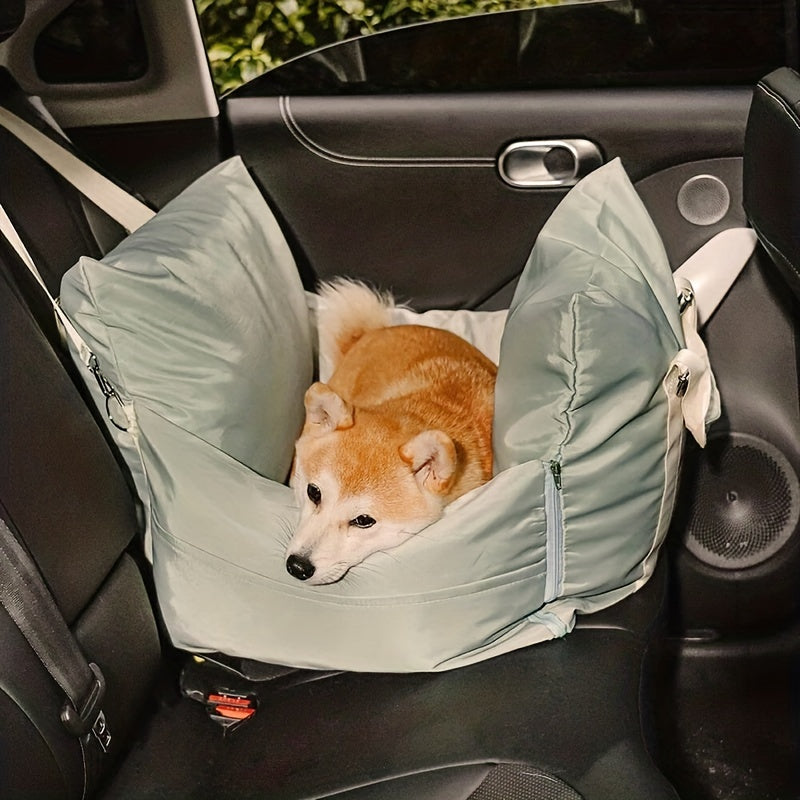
{"type": "Point", "coordinates": [246, 37]}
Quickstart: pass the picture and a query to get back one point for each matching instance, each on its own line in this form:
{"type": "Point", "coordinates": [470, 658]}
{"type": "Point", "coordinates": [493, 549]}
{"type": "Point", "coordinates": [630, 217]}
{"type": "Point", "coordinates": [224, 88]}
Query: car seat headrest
{"type": "Point", "coordinates": [12, 12]}
{"type": "Point", "coordinates": [772, 170]}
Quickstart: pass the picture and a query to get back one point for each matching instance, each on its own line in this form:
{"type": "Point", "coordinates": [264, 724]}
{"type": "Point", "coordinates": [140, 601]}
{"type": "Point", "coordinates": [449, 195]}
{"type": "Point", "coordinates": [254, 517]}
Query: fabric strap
{"type": "Point", "coordinates": [130, 212]}
{"type": "Point", "coordinates": [30, 605]}
{"type": "Point", "coordinates": [120, 205]}
{"type": "Point", "coordinates": [8, 230]}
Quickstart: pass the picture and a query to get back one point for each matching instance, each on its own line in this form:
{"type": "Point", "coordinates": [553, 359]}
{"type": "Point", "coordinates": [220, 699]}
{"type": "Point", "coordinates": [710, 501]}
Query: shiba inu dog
{"type": "Point", "coordinates": [402, 428]}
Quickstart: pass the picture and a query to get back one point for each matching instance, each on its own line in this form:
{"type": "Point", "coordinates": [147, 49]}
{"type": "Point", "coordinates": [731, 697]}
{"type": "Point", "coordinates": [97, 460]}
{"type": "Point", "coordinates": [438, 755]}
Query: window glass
{"type": "Point", "coordinates": [92, 41]}
{"type": "Point", "coordinates": [246, 37]}
{"type": "Point", "coordinates": [547, 45]}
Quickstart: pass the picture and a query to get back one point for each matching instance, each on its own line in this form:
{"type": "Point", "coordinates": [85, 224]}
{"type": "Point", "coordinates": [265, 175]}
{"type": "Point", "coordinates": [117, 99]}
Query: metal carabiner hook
{"type": "Point", "coordinates": [109, 392]}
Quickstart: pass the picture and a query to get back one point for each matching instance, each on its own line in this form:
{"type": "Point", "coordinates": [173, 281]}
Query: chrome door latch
{"type": "Point", "coordinates": [548, 163]}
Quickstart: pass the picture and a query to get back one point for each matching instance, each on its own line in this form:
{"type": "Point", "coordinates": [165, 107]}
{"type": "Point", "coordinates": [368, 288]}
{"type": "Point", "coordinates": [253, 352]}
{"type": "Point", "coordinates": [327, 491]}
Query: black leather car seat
{"type": "Point", "coordinates": [771, 170]}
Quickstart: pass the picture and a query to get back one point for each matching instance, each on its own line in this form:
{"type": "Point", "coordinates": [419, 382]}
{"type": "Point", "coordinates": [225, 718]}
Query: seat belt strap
{"type": "Point", "coordinates": [31, 606]}
{"type": "Point", "coordinates": [115, 408]}
{"type": "Point", "coordinates": [29, 603]}
{"type": "Point", "coordinates": [9, 231]}
{"type": "Point", "coordinates": [121, 206]}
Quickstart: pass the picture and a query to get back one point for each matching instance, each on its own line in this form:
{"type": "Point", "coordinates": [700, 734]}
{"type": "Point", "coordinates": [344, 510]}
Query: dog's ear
{"type": "Point", "coordinates": [325, 410]}
{"type": "Point", "coordinates": [432, 458]}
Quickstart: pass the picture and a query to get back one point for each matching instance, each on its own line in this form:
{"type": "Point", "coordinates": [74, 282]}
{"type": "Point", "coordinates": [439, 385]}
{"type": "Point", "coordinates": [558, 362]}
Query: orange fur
{"type": "Point", "coordinates": [402, 428]}
{"type": "Point", "coordinates": [411, 378]}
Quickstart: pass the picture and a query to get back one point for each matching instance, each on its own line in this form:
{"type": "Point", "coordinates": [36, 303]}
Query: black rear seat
{"type": "Point", "coordinates": [63, 492]}
{"type": "Point", "coordinates": [572, 708]}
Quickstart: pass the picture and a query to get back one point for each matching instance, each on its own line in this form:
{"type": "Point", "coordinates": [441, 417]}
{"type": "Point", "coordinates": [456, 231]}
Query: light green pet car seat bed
{"type": "Point", "coordinates": [200, 343]}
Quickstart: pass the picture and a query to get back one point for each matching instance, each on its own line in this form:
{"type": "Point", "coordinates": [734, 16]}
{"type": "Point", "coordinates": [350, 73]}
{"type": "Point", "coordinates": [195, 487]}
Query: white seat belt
{"type": "Point", "coordinates": [711, 270]}
{"type": "Point", "coordinates": [120, 205]}
{"type": "Point", "coordinates": [702, 281]}
{"type": "Point", "coordinates": [127, 210]}
{"type": "Point", "coordinates": [115, 408]}
{"type": "Point", "coordinates": [10, 232]}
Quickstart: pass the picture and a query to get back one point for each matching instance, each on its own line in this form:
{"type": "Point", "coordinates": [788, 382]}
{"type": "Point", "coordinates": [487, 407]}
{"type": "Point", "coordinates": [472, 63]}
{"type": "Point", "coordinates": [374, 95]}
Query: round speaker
{"type": "Point", "coordinates": [746, 502]}
{"type": "Point", "coordinates": [703, 200]}
{"type": "Point", "coordinates": [510, 781]}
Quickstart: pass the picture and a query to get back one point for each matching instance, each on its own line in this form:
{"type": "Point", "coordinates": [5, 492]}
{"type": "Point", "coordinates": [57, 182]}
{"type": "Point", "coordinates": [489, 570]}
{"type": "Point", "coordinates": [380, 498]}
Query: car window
{"type": "Point", "coordinates": [539, 45]}
{"type": "Point", "coordinates": [92, 41]}
{"type": "Point", "coordinates": [247, 37]}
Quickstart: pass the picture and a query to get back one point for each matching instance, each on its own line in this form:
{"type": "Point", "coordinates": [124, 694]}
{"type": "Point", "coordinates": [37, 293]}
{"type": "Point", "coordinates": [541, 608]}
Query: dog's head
{"type": "Point", "coordinates": [363, 485]}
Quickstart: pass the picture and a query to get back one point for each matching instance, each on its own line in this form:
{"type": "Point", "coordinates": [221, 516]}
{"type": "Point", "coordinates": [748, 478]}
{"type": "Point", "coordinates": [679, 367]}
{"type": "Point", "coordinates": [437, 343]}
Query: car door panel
{"type": "Point", "coordinates": [404, 191]}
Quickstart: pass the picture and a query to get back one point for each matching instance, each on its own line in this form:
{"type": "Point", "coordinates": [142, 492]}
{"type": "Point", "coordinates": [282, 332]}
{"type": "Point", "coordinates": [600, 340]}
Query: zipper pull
{"type": "Point", "coordinates": [555, 470]}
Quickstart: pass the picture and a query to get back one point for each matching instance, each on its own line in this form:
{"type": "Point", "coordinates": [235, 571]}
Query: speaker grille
{"type": "Point", "coordinates": [746, 504]}
{"type": "Point", "coordinates": [703, 200]}
{"type": "Point", "coordinates": [521, 782]}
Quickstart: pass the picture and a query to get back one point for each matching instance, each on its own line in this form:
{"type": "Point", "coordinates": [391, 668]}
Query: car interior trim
{"type": "Point", "coordinates": [548, 163]}
{"type": "Point", "coordinates": [182, 82]}
{"type": "Point", "coordinates": [320, 150]}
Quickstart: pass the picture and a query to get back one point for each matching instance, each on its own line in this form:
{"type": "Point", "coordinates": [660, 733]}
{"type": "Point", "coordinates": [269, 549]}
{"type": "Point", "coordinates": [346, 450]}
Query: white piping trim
{"type": "Point", "coordinates": [373, 161]}
{"type": "Point", "coordinates": [781, 102]}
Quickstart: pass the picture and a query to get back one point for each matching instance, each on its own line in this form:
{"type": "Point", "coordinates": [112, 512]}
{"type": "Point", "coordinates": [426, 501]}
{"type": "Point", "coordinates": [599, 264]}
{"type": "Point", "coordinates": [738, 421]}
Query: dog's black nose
{"type": "Point", "coordinates": [299, 567]}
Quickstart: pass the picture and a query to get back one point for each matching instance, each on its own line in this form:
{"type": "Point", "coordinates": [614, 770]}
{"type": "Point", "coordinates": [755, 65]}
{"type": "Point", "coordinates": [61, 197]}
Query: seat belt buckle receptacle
{"type": "Point", "coordinates": [90, 718]}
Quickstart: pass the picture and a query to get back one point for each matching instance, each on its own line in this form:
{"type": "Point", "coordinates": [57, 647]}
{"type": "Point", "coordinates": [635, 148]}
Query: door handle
{"type": "Point", "coordinates": [548, 163]}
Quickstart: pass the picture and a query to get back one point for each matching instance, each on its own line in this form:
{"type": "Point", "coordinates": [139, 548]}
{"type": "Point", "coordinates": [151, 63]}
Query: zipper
{"type": "Point", "coordinates": [554, 515]}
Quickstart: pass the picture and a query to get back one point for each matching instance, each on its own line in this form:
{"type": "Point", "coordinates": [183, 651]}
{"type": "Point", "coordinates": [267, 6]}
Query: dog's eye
{"type": "Point", "coordinates": [362, 521]}
{"type": "Point", "coordinates": [314, 493]}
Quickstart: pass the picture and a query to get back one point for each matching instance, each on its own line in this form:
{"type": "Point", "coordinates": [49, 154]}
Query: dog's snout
{"type": "Point", "coordinates": [299, 567]}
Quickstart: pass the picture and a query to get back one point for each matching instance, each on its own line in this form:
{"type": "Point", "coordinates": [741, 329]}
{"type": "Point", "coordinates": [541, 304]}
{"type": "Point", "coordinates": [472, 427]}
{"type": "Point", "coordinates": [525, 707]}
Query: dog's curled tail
{"type": "Point", "coordinates": [347, 310]}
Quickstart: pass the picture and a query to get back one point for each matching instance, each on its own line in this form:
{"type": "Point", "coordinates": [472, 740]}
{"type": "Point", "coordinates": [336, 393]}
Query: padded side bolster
{"type": "Point", "coordinates": [38, 758]}
{"type": "Point", "coordinates": [771, 167]}
{"type": "Point", "coordinates": [22, 747]}
{"type": "Point", "coordinates": [449, 783]}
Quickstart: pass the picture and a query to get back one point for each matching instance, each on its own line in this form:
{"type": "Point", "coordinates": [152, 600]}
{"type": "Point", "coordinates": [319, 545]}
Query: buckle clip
{"type": "Point", "coordinates": [90, 718]}
{"type": "Point", "coordinates": [228, 709]}
{"type": "Point", "coordinates": [115, 408]}
{"type": "Point", "coordinates": [685, 299]}
{"type": "Point", "coordinates": [683, 383]}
